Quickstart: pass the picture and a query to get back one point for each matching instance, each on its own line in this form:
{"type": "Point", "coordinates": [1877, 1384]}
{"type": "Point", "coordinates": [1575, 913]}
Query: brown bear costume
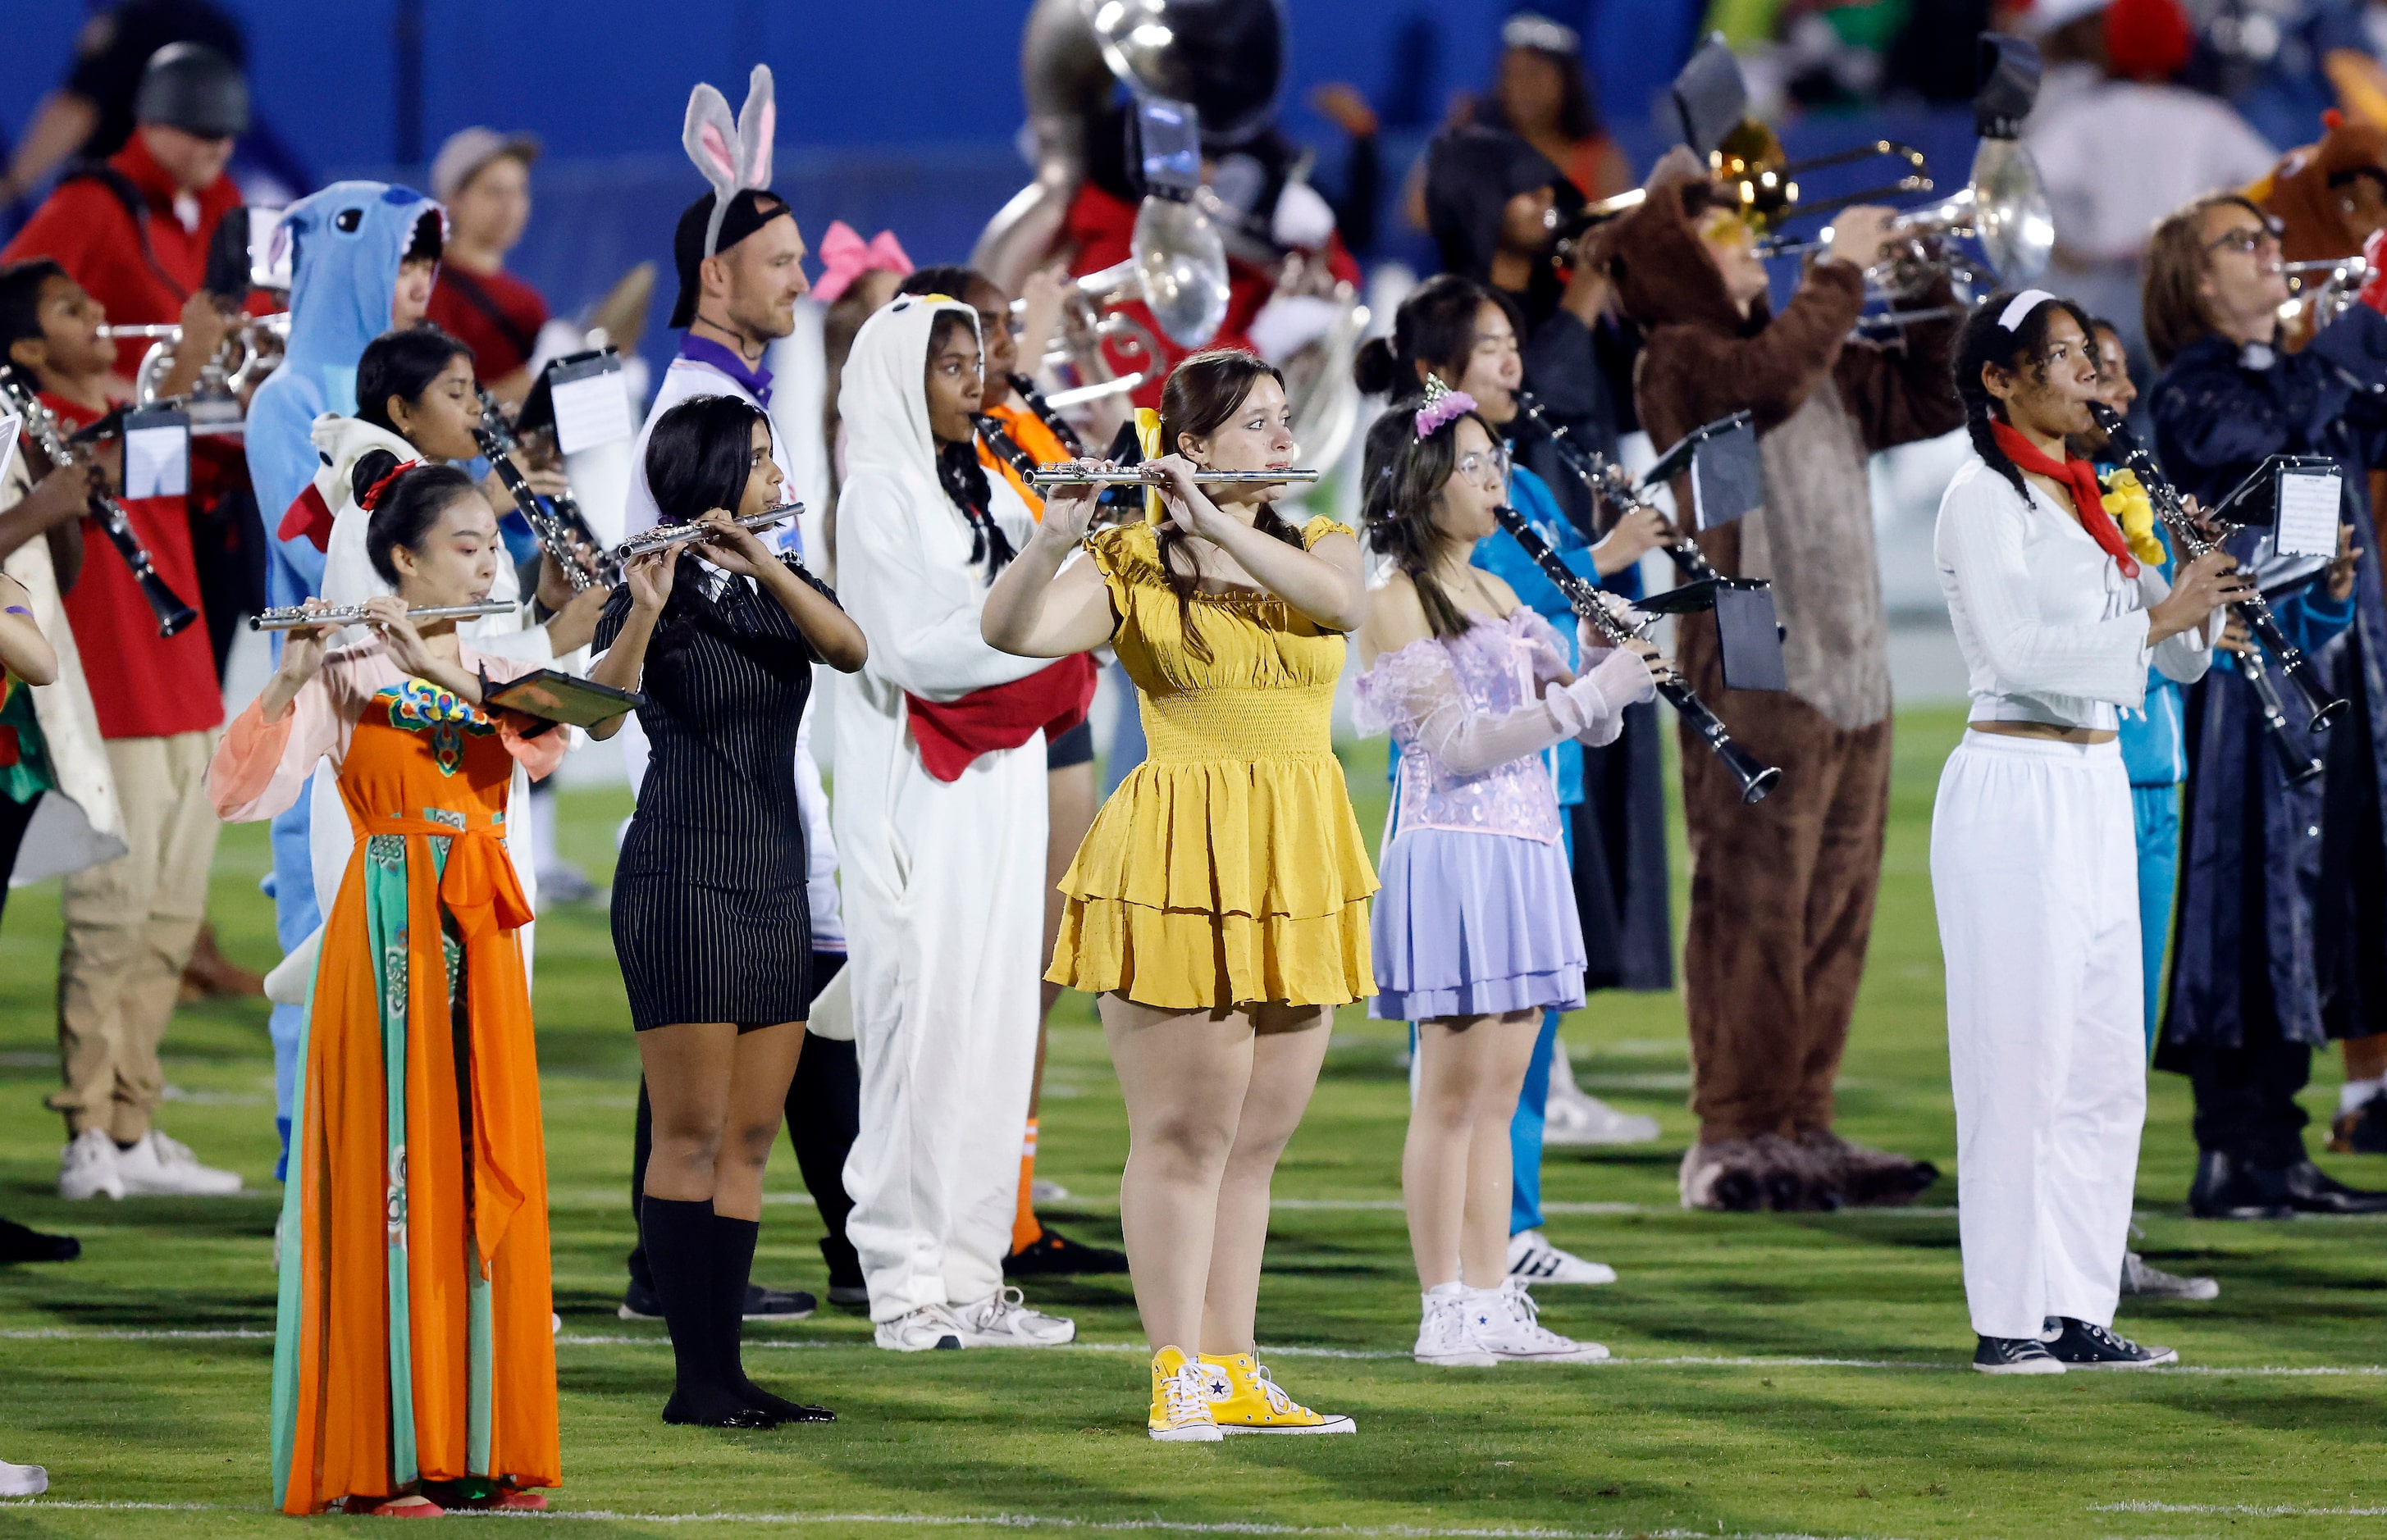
{"type": "Point", "coordinates": [1782, 891]}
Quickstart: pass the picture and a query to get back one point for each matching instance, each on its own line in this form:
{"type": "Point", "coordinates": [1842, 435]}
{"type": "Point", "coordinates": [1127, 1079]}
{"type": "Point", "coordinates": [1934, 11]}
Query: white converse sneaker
{"type": "Point", "coordinates": [931, 1325]}
{"type": "Point", "coordinates": [23, 1480]}
{"type": "Point", "coordinates": [1531, 1260]}
{"type": "Point", "coordinates": [1003, 1320]}
{"type": "Point", "coordinates": [1444, 1339]}
{"type": "Point", "coordinates": [159, 1166]}
{"type": "Point", "coordinates": [1505, 1321]}
{"type": "Point", "coordinates": [87, 1166]}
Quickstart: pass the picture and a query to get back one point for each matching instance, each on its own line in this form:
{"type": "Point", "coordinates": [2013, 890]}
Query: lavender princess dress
{"type": "Point", "coordinates": [1477, 912]}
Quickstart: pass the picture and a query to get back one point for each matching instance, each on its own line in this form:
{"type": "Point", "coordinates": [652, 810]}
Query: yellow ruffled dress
{"type": "Point", "coordinates": [1227, 870]}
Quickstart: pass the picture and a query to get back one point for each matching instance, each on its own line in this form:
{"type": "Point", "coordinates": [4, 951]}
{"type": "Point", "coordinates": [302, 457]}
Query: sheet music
{"type": "Point", "coordinates": [2308, 509]}
{"type": "Point", "coordinates": [591, 412]}
{"type": "Point", "coordinates": [157, 456]}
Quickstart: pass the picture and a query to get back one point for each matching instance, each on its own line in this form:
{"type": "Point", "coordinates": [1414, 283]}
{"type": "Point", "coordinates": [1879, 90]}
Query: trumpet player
{"type": "Point", "coordinates": [2058, 614]}
{"type": "Point", "coordinates": [130, 923]}
{"type": "Point", "coordinates": [134, 230]}
{"type": "Point", "coordinates": [2283, 901]}
{"type": "Point", "coordinates": [1782, 892]}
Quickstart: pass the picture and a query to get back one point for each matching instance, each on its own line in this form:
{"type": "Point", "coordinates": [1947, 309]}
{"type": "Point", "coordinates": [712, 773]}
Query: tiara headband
{"type": "Point", "coordinates": [1443, 407]}
{"type": "Point", "coordinates": [2018, 309]}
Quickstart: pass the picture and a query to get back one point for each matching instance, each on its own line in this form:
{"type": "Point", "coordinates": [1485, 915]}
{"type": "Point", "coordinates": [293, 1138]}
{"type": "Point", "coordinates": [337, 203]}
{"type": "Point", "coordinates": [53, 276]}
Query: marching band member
{"type": "Point", "coordinates": [1013, 435]}
{"type": "Point", "coordinates": [1475, 937]}
{"type": "Point", "coordinates": [1218, 906]}
{"type": "Point", "coordinates": [2032, 843]}
{"type": "Point", "coordinates": [130, 923]}
{"type": "Point", "coordinates": [939, 814]}
{"type": "Point", "coordinates": [362, 256]}
{"type": "Point", "coordinates": [740, 259]}
{"type": "Point", "coordinates": [1612, 800]}
{"type": "Point", "coordinates": [483, 180]}
{"type": "Point", "coordinates": [2284, 888]}
{"type": "Point", "coordinates": [414, 1365]}
{"type": "Point", "coordinates": [1782, 891]}
{"type": "Point", "coordinates": [710, 913]}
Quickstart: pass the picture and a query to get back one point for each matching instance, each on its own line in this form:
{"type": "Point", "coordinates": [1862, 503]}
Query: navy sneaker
{"type": "Point", "coordinates": [2015, 1355]}
{"type": "Point", "coordinates": [2083, 1345]}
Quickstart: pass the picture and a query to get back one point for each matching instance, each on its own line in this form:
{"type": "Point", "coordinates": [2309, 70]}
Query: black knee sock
{"type": "Point", "coordinates": [733, 1261]}
{"type": "Point", "coordinates": [683, 1256]}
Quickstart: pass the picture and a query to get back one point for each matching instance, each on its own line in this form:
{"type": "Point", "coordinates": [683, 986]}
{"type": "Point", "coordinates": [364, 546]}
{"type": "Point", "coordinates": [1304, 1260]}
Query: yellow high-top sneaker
{"type": "Point", "coordinates": [1181, 1400]}
{"type": "Point", "coordinates": [1245, 1398]}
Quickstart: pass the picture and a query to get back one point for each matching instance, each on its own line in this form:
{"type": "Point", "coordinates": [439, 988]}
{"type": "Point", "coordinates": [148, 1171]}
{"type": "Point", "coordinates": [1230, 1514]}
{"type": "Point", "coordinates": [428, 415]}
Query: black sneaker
{"type": "Point", "coordinates": [20, 1244]}
{"type": "Point", "coordinates": [639, 1302]}
{"type": "Point", "coordinates": [1053, 1255]}
{"type": "Point", "coordinates": [2015, 1355]}
{"type": "Point", "coordinates": [2082, 1344]}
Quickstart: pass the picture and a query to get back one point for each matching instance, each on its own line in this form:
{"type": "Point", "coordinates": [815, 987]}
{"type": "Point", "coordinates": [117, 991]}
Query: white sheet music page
{"type": "Point", "coordinates": [592, 413]}
{"type": "Point", "coordinates": [2308, 505]}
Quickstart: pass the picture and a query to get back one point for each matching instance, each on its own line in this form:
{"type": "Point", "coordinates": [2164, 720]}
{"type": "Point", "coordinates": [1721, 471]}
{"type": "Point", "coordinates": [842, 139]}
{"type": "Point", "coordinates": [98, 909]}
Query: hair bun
{"type": "Point", "coordinates": [1375, 368]}
{"type": "Point", "coordinates": [370, 467]}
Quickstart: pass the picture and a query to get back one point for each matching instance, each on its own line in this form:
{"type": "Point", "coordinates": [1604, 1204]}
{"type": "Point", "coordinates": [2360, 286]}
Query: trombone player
{"type": "Point", "coordinates": [1782, 891]}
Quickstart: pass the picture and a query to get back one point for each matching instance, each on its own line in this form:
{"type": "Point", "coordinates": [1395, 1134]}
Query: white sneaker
{"type": "Point", "coordinates": [1041, 1191]}
{"type": "Point", "coordinates": [1003, 1320]}
{"type": "Point", "coordinates": [88, 1167]}
{"type": "Point", "coordinates": [159, 1166]}
{"type": "Point", "coordinates": [1573, 1117]}
{"type": "Point", "coordinates": [1505, 1321]}
{"type": "Point", "coordinates": [1444, 1339]}
{"type": "Point", "coordinates": [1531, 1260]}
{"type": "Point", "coordinates": [931, 1325]}
{"type": "Point", "coordinates": [23, 1480]}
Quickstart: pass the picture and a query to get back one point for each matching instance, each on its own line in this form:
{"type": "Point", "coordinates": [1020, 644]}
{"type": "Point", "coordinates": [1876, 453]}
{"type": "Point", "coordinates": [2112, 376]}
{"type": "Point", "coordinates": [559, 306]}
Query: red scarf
{"type": "Point", "coordinates": [2088, 498]}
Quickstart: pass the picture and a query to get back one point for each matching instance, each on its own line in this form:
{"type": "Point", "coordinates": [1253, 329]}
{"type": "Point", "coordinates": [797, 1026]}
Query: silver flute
{"type": "Point", "coordinates": [663, 536]}
{"type": "Point", "coordinates": [1075, 475]}
{"type": "Point", "coordinates": [298, 617]}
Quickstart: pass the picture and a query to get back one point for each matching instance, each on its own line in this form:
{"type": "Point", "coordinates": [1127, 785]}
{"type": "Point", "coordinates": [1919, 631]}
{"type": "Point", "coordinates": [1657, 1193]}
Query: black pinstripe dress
{"type": "Point", "coordinates": [710, 919]}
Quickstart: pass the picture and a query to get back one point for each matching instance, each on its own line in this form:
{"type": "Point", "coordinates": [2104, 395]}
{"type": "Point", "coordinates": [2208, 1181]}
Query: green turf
{"type": "Point", "coordinates": [2257, 1438]}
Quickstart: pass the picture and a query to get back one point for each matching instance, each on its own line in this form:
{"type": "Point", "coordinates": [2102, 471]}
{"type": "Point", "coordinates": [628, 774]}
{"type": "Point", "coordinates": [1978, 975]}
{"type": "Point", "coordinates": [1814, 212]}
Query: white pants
{"type": "Point", "coordinates": [2034, 869]}
{"type": "Point", "coordinates": [945, 914]}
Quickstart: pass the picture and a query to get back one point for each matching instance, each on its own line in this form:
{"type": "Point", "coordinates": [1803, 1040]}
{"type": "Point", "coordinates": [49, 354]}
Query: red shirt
{"type": "Point", "coordinates": [495, 314]}
{"type": "Point", "coordinates": [1102, 226]}
{"type": "Point", "coordinates": [143, 685]}
{"type": "Point", "coordinates": [84, 228]}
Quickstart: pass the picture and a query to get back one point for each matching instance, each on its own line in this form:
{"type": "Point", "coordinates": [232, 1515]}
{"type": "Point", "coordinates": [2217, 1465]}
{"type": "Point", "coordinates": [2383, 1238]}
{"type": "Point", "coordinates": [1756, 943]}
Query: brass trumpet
{"type": "Point", "coordinates": [298, 617]}
{"type": "Point", "coordinates": [251, 351]}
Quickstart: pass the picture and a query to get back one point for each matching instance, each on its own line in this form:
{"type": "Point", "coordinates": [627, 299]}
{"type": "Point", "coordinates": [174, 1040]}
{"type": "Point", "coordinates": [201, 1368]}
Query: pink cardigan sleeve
{"type": "Point", "coordinates": [538, 756]}
{"type": "Point", "coordinates": [260, 767]}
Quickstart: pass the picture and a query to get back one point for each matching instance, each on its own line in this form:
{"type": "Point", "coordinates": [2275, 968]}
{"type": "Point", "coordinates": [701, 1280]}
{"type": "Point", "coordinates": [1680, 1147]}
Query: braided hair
{"type": "Point", "coordinates": [1203, 392]}
{"type": "Point", "coordinates": [962, 477]}
{"type": "Point", "coordinates": [1405, 475]}
{"type": "Point", "coordinates": [1982, 342]}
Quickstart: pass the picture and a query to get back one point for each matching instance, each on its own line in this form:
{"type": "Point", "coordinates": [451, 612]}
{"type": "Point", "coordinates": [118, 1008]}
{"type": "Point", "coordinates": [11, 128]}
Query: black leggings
{"type": "Point", "coordinates": [14, 818]}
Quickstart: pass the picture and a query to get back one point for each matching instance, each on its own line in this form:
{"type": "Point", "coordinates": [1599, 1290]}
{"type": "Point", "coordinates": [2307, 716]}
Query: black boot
{"type": "Point", "coordinates": [681, 1253]}
{"type": "Point", "coordinates": [2313, 1191]}
{"type": "Point", "coordinates": [733, 1262]}
{"type": "Point", "coordinates": [2227, 1188]}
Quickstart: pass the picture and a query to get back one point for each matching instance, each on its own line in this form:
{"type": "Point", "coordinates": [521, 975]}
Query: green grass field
{"type": "Point", "coordinates": [1773, 1374]}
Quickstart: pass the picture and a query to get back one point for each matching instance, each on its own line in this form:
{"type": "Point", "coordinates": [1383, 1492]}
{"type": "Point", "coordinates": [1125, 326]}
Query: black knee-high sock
{"type": "Point", "coordinates": [683, 1256]}
{"type": "Point", "coordinates": [733, 1262]}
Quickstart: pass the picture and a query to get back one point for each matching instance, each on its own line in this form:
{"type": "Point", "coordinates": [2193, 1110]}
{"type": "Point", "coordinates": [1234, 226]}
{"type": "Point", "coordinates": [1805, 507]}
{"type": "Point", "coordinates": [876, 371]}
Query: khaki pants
{"type": "Point", "coordinates": [130, 924]}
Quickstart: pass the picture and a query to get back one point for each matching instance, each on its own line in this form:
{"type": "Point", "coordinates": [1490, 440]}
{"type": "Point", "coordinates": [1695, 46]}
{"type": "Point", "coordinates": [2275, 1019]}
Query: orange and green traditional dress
{"type": "Point", "coordinates": [412, 1341]}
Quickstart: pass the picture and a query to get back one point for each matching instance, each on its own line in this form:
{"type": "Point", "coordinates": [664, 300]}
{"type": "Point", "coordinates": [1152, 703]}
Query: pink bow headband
{"type": "Point", "coordinates": [845, 256]}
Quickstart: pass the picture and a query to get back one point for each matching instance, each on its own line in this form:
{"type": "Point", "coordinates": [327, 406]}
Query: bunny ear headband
{"type": "Point", "coordinates": [735, 156]}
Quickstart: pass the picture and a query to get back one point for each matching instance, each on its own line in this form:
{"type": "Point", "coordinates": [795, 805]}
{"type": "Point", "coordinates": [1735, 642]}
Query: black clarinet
{"type": "Point", "coordinates": [996, 436]}
{"type": "Point", "coordinates": [1755, 778]}
{"type": "Point", "coordinates": [563, 532]}
{"type": "Point", "coordinates": [2193, 543]}
{"type": "Point", "coordinates": [1604, 479]}
{"type": "Point", "coordinates": [2297, 761]}
{"type": "Point", "coordinates": [1025, 387]}
{"type": "Point", "coordinates": [42, 430]}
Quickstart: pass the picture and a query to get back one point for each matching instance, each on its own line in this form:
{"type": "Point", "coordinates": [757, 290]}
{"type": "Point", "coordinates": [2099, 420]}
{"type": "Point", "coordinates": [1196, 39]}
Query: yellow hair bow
{"type": "Point", "coordinates": [1147, 439]}
{"type": "Point", "coordinates": [2129, 503]}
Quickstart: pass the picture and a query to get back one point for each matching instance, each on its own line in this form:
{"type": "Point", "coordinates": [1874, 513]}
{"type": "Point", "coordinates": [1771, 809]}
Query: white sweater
{"type": "Point", "coordinates": [2049, 628]}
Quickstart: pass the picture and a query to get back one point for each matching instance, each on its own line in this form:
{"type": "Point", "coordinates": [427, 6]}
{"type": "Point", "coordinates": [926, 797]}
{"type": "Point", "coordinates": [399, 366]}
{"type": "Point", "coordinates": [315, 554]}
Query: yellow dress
{"type": "Point", "coordinates": [1227, 870]}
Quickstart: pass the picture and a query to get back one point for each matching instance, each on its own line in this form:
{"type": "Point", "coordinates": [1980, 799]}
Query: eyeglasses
{"type": "Point", "coordinates": [2248, 238]}
{"type": "Point", "coordinates": [1486, 467]}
